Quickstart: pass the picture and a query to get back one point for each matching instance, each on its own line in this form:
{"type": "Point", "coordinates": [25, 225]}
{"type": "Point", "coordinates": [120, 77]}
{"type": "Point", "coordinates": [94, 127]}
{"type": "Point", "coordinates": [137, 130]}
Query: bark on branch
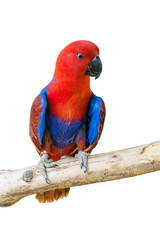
{"type": "Point", "coordinates": [102, 167]}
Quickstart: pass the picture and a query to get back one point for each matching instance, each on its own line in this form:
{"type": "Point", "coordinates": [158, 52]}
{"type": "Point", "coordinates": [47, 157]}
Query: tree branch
{"type": "Point", "coordinates": [17, 184]}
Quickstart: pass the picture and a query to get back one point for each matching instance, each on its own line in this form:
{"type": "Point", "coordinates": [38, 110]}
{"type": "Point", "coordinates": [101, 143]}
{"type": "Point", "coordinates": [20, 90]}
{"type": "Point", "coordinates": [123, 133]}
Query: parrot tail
{"type": "Point", "coordinates": [52, 195]}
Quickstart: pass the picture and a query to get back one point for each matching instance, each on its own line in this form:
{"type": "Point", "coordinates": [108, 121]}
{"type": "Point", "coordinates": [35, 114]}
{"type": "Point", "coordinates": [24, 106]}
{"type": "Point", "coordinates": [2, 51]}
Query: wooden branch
{"type": "Point", "coordinates": [17, 184]}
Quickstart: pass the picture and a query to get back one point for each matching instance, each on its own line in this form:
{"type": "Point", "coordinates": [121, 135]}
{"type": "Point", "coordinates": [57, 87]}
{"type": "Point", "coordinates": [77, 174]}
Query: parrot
{"type": "Point", "coordinates": [67, 118]}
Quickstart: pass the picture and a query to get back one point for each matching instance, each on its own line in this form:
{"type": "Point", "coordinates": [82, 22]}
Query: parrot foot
{"type": "Point", "coordinates": [83, 157]}
{"type": "Point", "coordinates": [46, 163]}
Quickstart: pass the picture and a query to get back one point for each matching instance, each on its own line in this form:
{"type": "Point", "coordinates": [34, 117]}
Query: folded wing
{"type": "Point", "coordinates": [96, 117]}
{"type": "Point", "coordinates": [37, 119]}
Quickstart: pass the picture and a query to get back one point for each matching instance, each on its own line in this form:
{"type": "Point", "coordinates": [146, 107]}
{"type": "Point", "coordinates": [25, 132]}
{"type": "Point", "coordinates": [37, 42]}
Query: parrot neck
{"type": "Point", "coordinates": [69, 99]}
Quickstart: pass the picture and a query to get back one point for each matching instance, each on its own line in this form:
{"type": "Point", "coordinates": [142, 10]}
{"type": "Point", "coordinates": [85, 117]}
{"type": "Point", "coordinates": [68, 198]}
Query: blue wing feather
{"type": "Point", "coordinates": [42, 124]}
{"type": "Point", "coordinates": [94, 115]}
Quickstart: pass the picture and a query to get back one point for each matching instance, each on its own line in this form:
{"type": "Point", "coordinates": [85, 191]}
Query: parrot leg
{"type": "Point", "coordinates": [83, 157]}
{"type": "Point", "coordinates": [46, 163]}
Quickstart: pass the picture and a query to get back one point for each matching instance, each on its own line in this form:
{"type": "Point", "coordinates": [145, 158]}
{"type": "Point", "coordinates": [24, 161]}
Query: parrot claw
{"type": "Point", "coordinates": [83, 157]}
{"type": "Point", "coordinates": [46, 163]}
{"type": "Point", "coordinates": [46, 179]}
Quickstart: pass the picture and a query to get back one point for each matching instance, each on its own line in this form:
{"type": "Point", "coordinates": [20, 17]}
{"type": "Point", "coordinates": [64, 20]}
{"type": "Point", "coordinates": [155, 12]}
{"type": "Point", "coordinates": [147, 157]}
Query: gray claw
{"type": "Point", "coordinates": [46, 163]}
{"type": "Point", "coordinates": [46, 180]}
{"type": "Point", "coordinates": [81, 163]}
{"type": "Point", "coordinates": [83, 157]}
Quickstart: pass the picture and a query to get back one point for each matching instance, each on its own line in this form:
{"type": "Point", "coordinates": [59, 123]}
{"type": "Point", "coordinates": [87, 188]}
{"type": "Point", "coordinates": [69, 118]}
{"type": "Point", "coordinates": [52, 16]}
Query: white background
{"type": "Point", "coordinates": [128, 34]}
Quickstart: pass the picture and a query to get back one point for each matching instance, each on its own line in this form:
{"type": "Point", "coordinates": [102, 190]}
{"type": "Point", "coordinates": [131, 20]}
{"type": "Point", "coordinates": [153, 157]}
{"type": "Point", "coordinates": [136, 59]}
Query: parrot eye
{"type": "Point", "coordinates": [79, 56]}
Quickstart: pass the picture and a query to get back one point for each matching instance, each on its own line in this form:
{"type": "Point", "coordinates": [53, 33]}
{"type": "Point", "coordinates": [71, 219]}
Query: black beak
{"type": "Point", "coordinates": [95, 67]}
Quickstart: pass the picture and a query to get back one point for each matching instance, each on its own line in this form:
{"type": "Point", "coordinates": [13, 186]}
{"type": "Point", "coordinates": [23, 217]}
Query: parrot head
{"type": "Point", "coordinates": [78, 60]}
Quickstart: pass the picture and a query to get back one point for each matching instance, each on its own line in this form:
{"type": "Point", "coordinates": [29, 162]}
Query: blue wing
{"type": "Point", "coordinates": [42, 124]}
{"type": "Point", "coordinates": [96, 117]}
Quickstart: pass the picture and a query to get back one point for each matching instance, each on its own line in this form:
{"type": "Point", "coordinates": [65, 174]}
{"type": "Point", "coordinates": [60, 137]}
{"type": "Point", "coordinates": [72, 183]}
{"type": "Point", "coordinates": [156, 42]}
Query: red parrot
{"type": "Point", "coordinates": [66, 117]}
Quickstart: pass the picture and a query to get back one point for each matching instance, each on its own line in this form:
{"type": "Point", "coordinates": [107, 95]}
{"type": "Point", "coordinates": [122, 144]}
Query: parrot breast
{"type": "Point", "coordinates": [67, 109]}
{"type": "Point", "coordinates": [69, 101]}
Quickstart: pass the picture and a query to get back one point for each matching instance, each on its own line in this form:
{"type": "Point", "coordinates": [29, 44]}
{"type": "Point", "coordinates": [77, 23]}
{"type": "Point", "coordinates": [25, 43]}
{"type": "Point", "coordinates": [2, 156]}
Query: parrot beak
{"type": "Point", "coordinates": [95, 67]}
